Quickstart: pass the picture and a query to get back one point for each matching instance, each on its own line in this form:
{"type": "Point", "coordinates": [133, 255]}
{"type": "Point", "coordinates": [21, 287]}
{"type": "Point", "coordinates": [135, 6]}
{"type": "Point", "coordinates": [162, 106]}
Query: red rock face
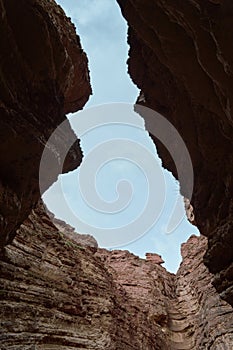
{"type": "Point", "coordinates": [43, 74]}
{"type": "Point", "coordinates": [58, 293]}
{"type": "Point", "coordinates": [153, 257]}
{"type": "Point", "coordinates": [69, 231]}
{"type": "Point", "coordinates": [184, 310]}
{"type": "Point", "coordinates": [181, 57]}
{"type": "Point", "coordinates": [209, 318]}
{"type": "Point", "coordinates": [55, 294]}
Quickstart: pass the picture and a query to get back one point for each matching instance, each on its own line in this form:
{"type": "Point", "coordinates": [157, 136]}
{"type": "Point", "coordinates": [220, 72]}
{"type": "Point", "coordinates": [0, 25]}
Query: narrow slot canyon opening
{"type": "Point", "coordinates": [58, 289]}
{"type": "Point", "coordinates": [103, 33]}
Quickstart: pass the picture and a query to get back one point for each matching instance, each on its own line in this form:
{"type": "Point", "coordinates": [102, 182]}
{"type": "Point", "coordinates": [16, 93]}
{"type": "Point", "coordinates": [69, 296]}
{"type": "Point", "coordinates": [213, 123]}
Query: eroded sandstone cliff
{"type": "Point", "coordinates": [57, 292]}
{"type": "Point", "coordinates": [181, 57]}
{"type": "Point", "coordinates": [60, 294]}
{"type": "Point", "coordinates": [185, 307]}
{"type": "Point", "coordinates": [43, 75]}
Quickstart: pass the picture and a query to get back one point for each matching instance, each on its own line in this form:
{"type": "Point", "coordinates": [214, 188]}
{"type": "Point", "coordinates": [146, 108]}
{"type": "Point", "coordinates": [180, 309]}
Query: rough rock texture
{"type": "Point", "coordinates": [43, 74]}
{"type": "Point", "coordinates": [185, 308]}
{"type": "Point", "coordinates": [69, 231]}
{"type": "Point", "coordinates": [56, 294]}
{"type": "Point", "coordinates": [148, 288]}
{"type": "Point", "coordinates": [207, 320]}
{"type": "Point", "coordinates": [181, 57]}
{"type": "Point", "coordinates": [155, 258]}
{"type": "Point", "coordinates": [189, 210]}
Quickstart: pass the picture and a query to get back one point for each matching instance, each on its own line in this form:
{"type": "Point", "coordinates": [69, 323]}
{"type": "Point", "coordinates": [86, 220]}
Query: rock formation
{"type": "Point", "coordinates": [155, 258]}
{"type": "Point", "coordinates": [181, 57]}
{"type": "Point", "coordinates": [54, 293]}
{"type": "Point", "coordinates": [57, 294]}
{"type": "Point", "coordinates": [60, 291]}
{"type": "Point", "coordinates": [208, 320]}
{"type": "Point", "coordinates": [43, 75]}
{"type": "Point", "coordinates": [189, 210]}
{"type": "Point", "coordinates": [184, 308]}
{"type": "Point", "coordinates": [65, 229]}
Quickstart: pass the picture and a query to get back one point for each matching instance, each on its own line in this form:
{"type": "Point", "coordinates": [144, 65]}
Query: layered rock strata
{"type": "Point", "coordinates": [155, 258]}
{"type": "Point", "coordinates": [59, 294]}
{"type": "Point", "coordinates": [43, 75]}
{"type": "Point", "coordinates": [185, 307]}
{"type": "Point", "coordinates": [200, 318]}
{"type": "Point", "coordinates": [181, 57]}
{"type": "Point", "coordinates": [56, 294]}
{"type": "Point", "coordinates": [69, 231]}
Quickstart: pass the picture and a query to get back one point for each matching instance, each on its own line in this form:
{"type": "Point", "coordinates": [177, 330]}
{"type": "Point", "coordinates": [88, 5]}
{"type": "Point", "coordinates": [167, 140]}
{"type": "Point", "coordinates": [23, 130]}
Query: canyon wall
{"type": "Point", "coordinates": [59, 294]}
{"type": "Point", "coordinates": [43, 75]}
{"type": "Point", "coordinates": [58, 290]}
{"type": "Point", "coordinates": [55, 294]}
{"type": "Point", "coordinates": [208, 320]}
{"type": "Point", "coordinates": [185, 307]}
{"type": "Point", "coordinates": [181, 57]}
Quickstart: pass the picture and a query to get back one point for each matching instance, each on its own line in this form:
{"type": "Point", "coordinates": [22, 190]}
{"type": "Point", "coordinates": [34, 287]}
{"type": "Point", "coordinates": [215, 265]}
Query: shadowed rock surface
{"type": "Point", "coordinates": [43, 75]}
{"type": "Point", "coordinates": [181, 57]}
{"type": "Point", "coordinates": [208, 320]}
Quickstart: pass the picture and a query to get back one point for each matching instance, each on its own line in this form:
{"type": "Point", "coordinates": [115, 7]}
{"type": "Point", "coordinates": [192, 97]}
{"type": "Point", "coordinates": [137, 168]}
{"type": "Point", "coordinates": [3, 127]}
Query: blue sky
{"type": "Point", "coordinates": [103, 33]}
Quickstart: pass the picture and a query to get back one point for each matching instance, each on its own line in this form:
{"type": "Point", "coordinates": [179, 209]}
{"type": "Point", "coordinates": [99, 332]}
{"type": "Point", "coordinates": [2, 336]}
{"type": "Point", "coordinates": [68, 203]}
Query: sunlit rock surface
{"type": "Point", "coordinates": [69, 231]}
{"type": "Point", "coordinates": [155, 258]}
{"type": "Point", "coordinates": [55, 294]}
{"type": "Point", "coordinates": [181, 57]}
{"type": "Point", "coordinates": [59, 294]}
